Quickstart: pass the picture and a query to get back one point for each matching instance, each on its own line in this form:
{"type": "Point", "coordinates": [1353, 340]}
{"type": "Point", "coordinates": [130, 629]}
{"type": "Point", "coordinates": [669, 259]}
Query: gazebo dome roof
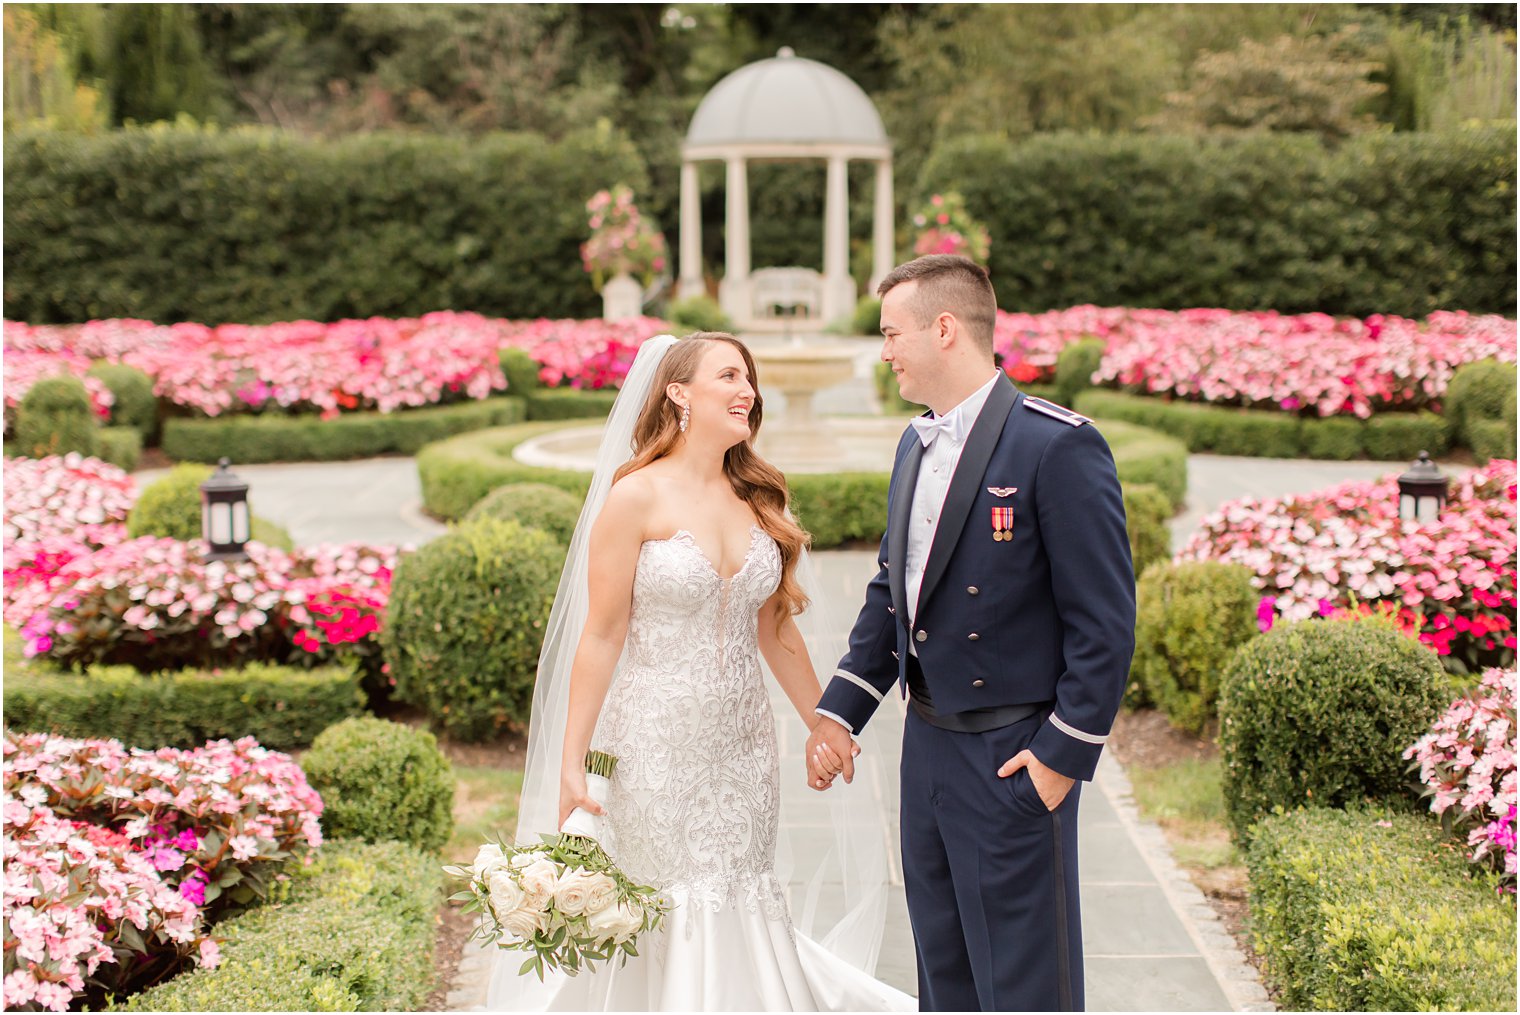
{"type": "Point", "coordinates": [786, 100]}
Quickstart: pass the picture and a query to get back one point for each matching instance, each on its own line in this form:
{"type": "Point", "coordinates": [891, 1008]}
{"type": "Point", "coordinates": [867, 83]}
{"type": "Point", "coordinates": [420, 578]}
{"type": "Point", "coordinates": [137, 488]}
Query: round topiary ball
{"type": "Point", "coordinates": [466, 621]}
{"type": "Point", "coordinates": [170, 506]}
{"type": "Point", "coordinates": [521, 370]}
{"type": "Point", "coordinates": [1318, 713]}
{"type": "Point", "coordinates": [1146, 513]}
{"type": "Point", "coordinates": [1189, 620]}
{"type": "Point", "coordinates": [54, 417]}
{"type": "Point", "coordinates": [1478, 391]}
{"type": "Point", "coordinates": [381, 781]}
{"type": "Point", "coordinates": [533, 505]}
{"type": "Point", "coordinates": [135, 404]}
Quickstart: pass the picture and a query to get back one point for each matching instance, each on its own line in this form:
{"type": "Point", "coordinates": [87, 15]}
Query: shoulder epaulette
{"type": "Point", "coordinates": [1055, 411]}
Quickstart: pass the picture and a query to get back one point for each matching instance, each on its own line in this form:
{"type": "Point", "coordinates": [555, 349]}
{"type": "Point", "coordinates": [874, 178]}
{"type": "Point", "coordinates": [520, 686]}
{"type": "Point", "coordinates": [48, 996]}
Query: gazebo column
{"type": "Point", "coordinates": [838, 286]}
{"type": "Point", "coordinates": [883, 254]}
{"type": "Point", "coordinates": [733, 291]}
{"type": "Point", "coordinates": [691, 233]}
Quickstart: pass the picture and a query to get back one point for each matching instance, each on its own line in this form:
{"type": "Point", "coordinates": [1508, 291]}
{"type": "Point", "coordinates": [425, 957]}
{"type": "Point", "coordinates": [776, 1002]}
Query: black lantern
{"type": "Point", "coordinates": [224, 515]}
{"type": "Point", "coordinates": [1422, 491]}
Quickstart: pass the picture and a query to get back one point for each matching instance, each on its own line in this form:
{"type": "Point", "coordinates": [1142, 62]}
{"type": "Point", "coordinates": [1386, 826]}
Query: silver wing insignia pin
{"type": "Point", "coordinates": [1002, 491]}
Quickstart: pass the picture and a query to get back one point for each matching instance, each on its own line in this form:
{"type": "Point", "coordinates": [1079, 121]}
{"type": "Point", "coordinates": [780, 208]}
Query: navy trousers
{"type": "Point", "coordinates": [991, 875]}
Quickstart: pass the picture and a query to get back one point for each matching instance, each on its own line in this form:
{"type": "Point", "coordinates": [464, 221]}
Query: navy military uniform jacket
{"type": "Point", "coordinates": [1045, 616]}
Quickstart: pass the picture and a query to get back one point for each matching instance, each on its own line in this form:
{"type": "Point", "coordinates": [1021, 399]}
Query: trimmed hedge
{"type": "Point", "coordinates": [465, 624]}
{"type": "Point", "coordinates": [1075, 366]}
{"type": "Point", "coordinates": [1142, 455]}
{"type": "Point", "coordinates": [1146, 512]}
{"type": "Point", "coordinates": [1381, 223]}
{"type": "Point", "coordinates": [170, 506]}
{"type": "Point", "coordinates": [1318, 713]}
{"type": "Point", "coordinates": [1263, 433]}
{"type": "Point", "coordinates": [136, 405]}
{"type": "Point", "coordinates": [282, 707]}
{"type": "Point", "coordinates": [457, 472]}
{"type": "Point", "coordinates": [521, 371]}
{"type": "Point", "coordinates": [1374, 910]}
{"type": "Point", "coordinates": [55, 417]}
{"type": "Point", "coordinates": [1481, 406]}
{"type": "Point", "coordinates": [381, 781]}
{"type": "Point", "coordinates": [309, 438]}
{"type": "Point", "coordinates": [352, 932]}
{"type": "Point", "coordinates": [256, 226]}
{"type": "Point", "coordinates": [1190, 618]}
{"type": "Point", "coordinates": [570, 403]}
{"type": "Point", "coordinates": [535, 505]}
{"type": "Point", "coordinates": [120, 445]}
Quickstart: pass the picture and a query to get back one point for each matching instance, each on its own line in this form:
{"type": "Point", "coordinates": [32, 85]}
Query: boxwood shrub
{"type": "Point", "coordinates": [352, 932]}
{"type": "Point", "coordinates": [1318, 712]}
{"type": "Point", "coordinates": [1373, 909]}
{"type": "Point", "coordinates": [382, 781]}
{"type": "Point", "coordinates": [282, 707]}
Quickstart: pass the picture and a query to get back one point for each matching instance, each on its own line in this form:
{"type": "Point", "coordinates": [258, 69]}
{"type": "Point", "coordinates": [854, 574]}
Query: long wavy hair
{"type": "Point", "coordinates": [756, 482]}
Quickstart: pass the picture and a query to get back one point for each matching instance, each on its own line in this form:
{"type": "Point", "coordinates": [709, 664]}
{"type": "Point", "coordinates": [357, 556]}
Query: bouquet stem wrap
{"type": "Point", "coordinates": [583, 822]}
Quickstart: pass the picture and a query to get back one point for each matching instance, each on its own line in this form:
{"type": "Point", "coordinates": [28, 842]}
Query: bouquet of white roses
{"type": "Point", "coordinates": [563, 901]}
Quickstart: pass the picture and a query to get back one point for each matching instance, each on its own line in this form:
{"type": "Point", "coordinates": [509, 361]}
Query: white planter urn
{"type": "Point", "coordinates": [622, 297]}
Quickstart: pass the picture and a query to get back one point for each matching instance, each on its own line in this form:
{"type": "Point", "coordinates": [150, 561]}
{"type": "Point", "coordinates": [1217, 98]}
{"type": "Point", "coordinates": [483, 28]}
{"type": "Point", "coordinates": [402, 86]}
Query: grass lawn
{"type": "Point", "coordinates": [1185, 799]}
{"type": "Point", "coordinates": [485, 804]}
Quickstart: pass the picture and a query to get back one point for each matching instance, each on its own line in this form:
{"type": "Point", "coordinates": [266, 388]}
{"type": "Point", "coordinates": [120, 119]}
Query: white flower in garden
{"type": "Point", "coordinates": [538, 881]}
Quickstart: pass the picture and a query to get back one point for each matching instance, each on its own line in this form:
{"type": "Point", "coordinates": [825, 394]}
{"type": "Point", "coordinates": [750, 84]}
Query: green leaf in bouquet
{"type": "Point", "coordinates": [468, 895]}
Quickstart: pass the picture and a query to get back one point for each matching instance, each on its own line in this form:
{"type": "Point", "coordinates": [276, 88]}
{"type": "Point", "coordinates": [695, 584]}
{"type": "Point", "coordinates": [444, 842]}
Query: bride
{"type": "Point", "coordinates": [654, 655]}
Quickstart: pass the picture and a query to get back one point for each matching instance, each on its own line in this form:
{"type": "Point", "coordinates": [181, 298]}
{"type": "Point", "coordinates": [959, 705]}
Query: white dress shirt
{"type": "Point", "coordinates": [934, 475]}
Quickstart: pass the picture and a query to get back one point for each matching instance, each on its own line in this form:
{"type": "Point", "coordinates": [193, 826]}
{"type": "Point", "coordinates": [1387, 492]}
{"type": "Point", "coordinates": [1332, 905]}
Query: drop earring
{"type": "Point", "coordinates": [685, 417]}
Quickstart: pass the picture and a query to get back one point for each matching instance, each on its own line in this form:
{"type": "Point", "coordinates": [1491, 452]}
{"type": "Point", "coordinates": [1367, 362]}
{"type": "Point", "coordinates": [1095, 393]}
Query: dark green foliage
{"type": "Point", "coordinates": [136, 406]}
{"type": "Point", "coordinates": [698, 313]}
{"type": "Point", "coordinates": [840, 507]}
{"type": "Point", "coordinates": [55, 417]}
{"type": "Point", "coordinates": [119, 445]}
{"type": "Point", "coordinates": [892, 401]}
{"type": "Point", "coordinates": [1383, 223]}
{"type": "Point", "coordinates": [170, 506]}
{"type": "Point", "coordinates": [1190, 617]}
{"type": "Point", "coordinates": [1479, 400]}
{"type": "Point", "coordinates": [465, 624]}
{"type": "Point", "coordinates": [1388, 436]}
{"type": "Point", "coordinates": [255, 226]}
{"type": "Point", "coordinates": [521, 370]}
{"type": "Point", "coordinates": [1075, 367]}
{"type": "Point", "coordinates": [1369, 909]}
{"type": "Point", "coordinates": [570, 403]}
{"type": "Point", "coordinates": [867, 317]}
{"type": "Point", "coordinates": [535, 505]}
{"type": "Point", "coordinates": [1318, 713]}
{"type": "Point", "coordinates": [381, 781]}
{"type": "Point", "coordinates": [1146, 513]}
{"type": "Point", "coordinates": [354, 932]}
{"type": "Point", "coordinates": [308, 438]}
{"type": "Point", "coordinates": [282, 707]}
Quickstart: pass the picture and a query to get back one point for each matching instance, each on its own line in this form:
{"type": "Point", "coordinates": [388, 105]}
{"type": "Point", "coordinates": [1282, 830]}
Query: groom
{"type": "Point", "coordinates": [1004, 611]}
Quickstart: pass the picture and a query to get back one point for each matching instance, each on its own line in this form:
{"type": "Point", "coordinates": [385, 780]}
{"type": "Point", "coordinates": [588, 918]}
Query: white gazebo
{"type": "Point", "coordinates": [785, 108]}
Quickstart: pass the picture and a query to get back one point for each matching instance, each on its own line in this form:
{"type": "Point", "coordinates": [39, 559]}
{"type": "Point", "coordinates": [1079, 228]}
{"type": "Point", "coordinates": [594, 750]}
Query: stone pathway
{"type": "Point", "coordinates": [1152, 941]}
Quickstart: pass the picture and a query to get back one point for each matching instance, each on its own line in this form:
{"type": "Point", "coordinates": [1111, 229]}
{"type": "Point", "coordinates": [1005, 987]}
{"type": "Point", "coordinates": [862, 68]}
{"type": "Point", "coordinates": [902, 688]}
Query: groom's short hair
{"type": "Point", "coordinates": [949, 283]}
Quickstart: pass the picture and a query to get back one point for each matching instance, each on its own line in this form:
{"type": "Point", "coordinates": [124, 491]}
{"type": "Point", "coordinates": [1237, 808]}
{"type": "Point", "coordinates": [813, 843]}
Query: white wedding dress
{"type": "Point", "coordinates": [694, 807]}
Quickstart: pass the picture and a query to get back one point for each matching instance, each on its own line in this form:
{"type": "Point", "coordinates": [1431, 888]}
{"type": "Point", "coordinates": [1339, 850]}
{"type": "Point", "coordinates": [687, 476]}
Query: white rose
{"type": "Point", "coordinates": [521, 860]}
{"type": "Point", "coordinates": [603, 893]}
{"type": "Point", "coordinates": [487, 856]}
{"type": "Point", "coordinates": [522, 924]}
{"type": "Point", "coordinates": [506, 893]}
{"type": "Point", "coordinates": [538, 880]}
{"type": "Point", "coordinates": [618, 923]}
{"type": "Point", "coordinates": [573, 891]}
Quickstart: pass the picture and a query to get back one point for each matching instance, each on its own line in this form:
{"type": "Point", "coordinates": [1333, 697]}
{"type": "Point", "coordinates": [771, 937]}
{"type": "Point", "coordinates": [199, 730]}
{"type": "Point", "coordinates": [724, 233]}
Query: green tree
{"type": "Point", "coordinates": [42, 75]}
{"type": "Point", "coordinates": [155, 66]}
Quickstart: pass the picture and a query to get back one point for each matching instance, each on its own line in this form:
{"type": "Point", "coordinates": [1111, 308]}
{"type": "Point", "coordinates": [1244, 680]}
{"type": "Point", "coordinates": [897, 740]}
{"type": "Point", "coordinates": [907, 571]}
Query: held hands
{"type": "Point", "coordinates": [1050, 784]}
{"type": "Point", "coordinates": [572, 794]}
{"type": "Point", "coordinates": [830, 751]}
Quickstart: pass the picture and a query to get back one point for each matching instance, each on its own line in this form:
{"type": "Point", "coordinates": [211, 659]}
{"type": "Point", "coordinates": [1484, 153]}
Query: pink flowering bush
{"type": "Point", "coordinates": [1467, 763]}
{"type": "Point", "coordinates": [1314, 554]}
{"type": "Point", "coordinates": [584, 354]}
{"type": "Point", "coordinates": [622, 239]}
{"type": "Point", "coordinates": [117, 862]}
{"type": "Point", "coordinates": [946, 227]}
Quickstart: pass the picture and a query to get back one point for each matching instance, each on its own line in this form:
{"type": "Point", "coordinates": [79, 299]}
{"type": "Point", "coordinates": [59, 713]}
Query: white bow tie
{"type": "Point", "coordinates": [928, 429]}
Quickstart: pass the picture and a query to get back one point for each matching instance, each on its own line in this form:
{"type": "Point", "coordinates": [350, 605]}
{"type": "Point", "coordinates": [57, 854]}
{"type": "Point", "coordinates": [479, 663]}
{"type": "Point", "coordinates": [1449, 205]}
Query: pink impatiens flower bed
{"type": "Point", "coordinates": [80, 591]}
{"type": "Point", "coordinates": [116, 861]}
{"type": "Point", "coordinates": [583, 354]}
{"type": "Point", "coordinates": [1467, 763]}
{"type": "Point", "coordinates": [1313, 554]}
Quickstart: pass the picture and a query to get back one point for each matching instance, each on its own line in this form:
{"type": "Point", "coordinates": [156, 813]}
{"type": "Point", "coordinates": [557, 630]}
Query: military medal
{"type": "Point", "coordinates": [1002, 524]}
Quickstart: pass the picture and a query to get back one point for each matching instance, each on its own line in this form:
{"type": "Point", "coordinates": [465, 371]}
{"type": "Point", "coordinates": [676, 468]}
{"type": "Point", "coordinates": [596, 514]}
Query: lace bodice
{"type": "Point", "coordinates": [696, 796]}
